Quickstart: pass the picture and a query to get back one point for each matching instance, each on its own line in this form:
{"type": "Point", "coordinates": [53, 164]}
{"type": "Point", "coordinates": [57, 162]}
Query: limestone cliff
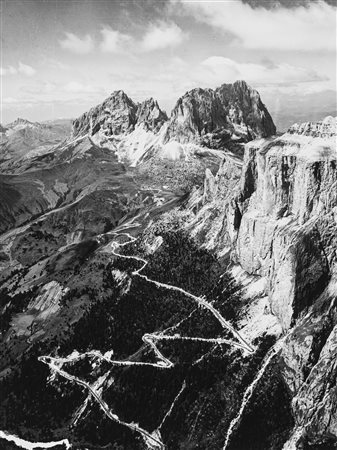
{"type": "Point", "coordinates": [287, 226]}
{"type": "Point", "coordinates": [278, 221]}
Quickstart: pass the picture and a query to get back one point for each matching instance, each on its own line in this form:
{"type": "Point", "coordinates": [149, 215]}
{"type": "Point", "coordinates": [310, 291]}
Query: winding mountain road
{"type": "Point", "coordinates": [153, 440]}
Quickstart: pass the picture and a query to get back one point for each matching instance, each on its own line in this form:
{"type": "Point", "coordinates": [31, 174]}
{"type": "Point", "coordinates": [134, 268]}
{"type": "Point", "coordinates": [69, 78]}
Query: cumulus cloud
{"type": "Point", "coordinates": [306, 28]}
{"type": "Point", "coordinates": [159, 36]}
{"type": "Point", "coordinates": [10, 70]}
{"type": "Point", "coordinates": [162, 35]}
{"type": "Point", "coordinates": [217, 69]}
{"type": "Point", "coordinates": [23, 69]}
{"type": "Point", "coordinates": [76, 44]}
{"type": "Point", "coordinates": [113, 41]}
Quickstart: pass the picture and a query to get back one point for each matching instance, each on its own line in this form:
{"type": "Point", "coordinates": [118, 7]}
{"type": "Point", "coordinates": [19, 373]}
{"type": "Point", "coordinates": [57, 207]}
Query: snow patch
{"type": "Point", "coordinates": [172, 150]}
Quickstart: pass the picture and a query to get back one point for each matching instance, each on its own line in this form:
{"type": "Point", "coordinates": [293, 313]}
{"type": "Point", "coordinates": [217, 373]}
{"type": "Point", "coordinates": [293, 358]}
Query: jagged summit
{"type": "Point", "coordinates": [231, 111]}
{"type": "Point", "coordinates": [119, 114]}
{"type": "Point", "coordinates": [233, 108]}
{"type": "Point", "coordinates": [150, 114]}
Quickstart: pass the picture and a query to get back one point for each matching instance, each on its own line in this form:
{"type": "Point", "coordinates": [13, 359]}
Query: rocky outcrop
{"type": "Point", "coordinates": [117, 115]}
{"type": "Point", "coordinates": [284, 228]}
{"type": "Point", "coordinates": [230, 111]}
{"type": "Point", "coordinates": [315, 405]}
{"type": "Point", "coordinates": [150, 115]}
{"type": "Point", "coordinates": [308, 362]}
{"type": "Point", "coordinates": [218, 119]}
{"type": "Point", "coordinates": [280, 223]}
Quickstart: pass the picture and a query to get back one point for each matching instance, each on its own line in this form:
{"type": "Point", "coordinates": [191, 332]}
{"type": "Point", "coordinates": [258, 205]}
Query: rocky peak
{"type": "Point", "coordinates": [232, 108]}
{"type": "Point", "coordinates": [116, 115]}
{"type": "Point", "coordinates": [150, 115]}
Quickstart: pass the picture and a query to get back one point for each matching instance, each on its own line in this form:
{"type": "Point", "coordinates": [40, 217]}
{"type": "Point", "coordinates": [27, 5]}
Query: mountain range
{"type": "Point", "coordinates": [169, 281]}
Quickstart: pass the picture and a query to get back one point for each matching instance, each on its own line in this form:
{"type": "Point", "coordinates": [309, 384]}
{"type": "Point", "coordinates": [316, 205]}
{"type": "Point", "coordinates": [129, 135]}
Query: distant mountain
{"type": "Point", "coordinates": [217, 119]}
{"type": "Point", "coordinates": [22, 123]}
{"type": "Point", "coordinates": [21, 140]}
{"type": "Point", "coordinates": [57, 168]}
{"type": "Point", "coordinates": [232, 108]}
{"type": "Point", "coordinates": [169, 282]}
{"type": "Point", "coordinates": [118, 114]}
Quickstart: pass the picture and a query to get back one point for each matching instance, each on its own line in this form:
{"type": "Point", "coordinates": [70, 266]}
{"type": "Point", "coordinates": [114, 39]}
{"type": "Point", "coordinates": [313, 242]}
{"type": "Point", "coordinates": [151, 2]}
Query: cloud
{"type": "Point", "coordinates": [10, 70]}
{"type": "Point", "coordinates": [76, 44]}
{"type": "Point", "coordinates": [162, 35]}
{"type": "Point", "coordinates": [159, 36]}
{"type": "Point", "coordinates": [23, 69]}
{"type": "Point", "coordinates": [113, 41]}
{"type": "Point", "coordinates": [217, 70]}
{"type": "Point", "coordinates": [307, 28]}
{"type": "Point", "coordinates": [26, 70]}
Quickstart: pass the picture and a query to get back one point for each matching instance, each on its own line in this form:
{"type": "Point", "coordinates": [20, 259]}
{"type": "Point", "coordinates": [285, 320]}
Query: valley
{"type": "Point", "coordinates": [169, 281]}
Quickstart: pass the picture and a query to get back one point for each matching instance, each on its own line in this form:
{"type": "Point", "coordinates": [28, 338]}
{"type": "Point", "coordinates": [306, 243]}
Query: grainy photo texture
{"type": "Point", "coordinates": [168, 225]}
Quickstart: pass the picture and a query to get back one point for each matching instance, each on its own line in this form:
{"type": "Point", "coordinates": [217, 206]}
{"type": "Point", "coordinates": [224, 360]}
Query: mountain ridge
{"type": "Point", "coordinates": [224, 96]}
{"type": "Point", "coordinates": [245, 228]}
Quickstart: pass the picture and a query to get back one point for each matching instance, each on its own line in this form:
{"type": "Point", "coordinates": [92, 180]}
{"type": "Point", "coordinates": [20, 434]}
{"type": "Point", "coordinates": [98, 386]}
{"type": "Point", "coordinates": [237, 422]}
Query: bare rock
{"type": "Point", "coordinates": [288, 195]}
{"type": "Point", "coordinates": [230, 111]}
{"type": "Point", "coordinates": [116, 115]}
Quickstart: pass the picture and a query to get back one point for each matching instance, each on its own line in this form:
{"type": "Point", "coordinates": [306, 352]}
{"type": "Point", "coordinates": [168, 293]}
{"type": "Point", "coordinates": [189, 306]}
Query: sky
{"type": "Point", "coordinates": [59, 58]}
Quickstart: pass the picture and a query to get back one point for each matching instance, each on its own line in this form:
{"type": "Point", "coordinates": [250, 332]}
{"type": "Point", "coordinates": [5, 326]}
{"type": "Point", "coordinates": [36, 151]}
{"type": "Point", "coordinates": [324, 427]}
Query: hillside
{"type": "Point", "coordinates": [170, 282]}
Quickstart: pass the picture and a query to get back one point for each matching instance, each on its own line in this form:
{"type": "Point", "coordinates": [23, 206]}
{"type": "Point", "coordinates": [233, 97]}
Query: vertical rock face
{"type": "Point", "coordinates": [232, 109]}
{"type": "Point", "coordinates": [288, 233]}
{"type": "Point", "coordinates": [280, 234]}
{"type": "Point", "coordinates": [280, 222]}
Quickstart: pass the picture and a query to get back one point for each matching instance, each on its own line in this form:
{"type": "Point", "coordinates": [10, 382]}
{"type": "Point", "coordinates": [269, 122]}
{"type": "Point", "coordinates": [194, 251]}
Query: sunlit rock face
{"type": "Point", "coordinates": [220, 119]}
{"type": "Point", "coordinates": [118, 114]}
{"type": "Point", "coordinates": [209, 117]}
{"type": "Point", "coordinates": [277, 220]}
{"type": "Point", "coordinates": [287, 227]}
{"type": "Point", "coordinates": [230, 111]}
